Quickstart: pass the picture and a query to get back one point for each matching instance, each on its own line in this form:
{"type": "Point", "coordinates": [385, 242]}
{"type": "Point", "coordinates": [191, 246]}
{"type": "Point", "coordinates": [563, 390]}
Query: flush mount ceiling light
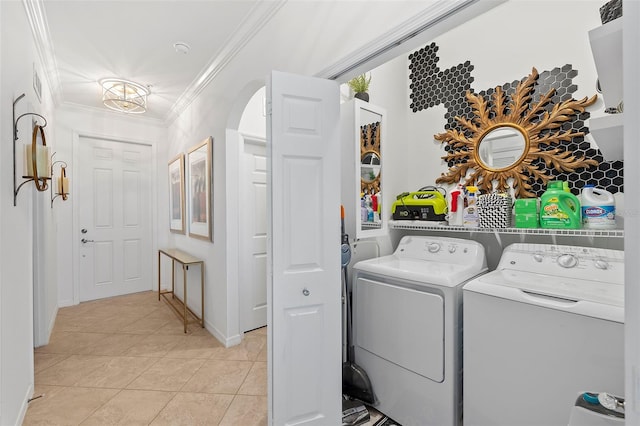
{"type": "Point", "coordinates": [124, 96]}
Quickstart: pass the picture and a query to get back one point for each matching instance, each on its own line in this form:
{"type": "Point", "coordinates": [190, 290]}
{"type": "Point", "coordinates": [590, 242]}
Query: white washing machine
{"type": "Point", "coordinates": [545, 325]}
{"type": "Point", "coordinates": [407, 326]}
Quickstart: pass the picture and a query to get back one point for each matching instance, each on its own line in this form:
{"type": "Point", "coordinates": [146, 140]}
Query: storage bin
{"type": "Point", "coordinates": [494, 211]}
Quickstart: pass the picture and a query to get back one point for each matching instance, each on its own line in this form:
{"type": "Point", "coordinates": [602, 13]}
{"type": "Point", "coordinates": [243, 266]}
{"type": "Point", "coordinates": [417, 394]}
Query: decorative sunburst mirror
{"type": "Point", "coordinates": [507, 136]}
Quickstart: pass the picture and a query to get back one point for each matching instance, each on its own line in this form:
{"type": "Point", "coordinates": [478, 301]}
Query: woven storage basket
{"type": "Point", "coordinates": [494, 211]}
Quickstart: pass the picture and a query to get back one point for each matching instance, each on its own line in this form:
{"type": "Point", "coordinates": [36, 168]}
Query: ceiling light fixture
{"type": "Point", "coordinates": [124, 96]}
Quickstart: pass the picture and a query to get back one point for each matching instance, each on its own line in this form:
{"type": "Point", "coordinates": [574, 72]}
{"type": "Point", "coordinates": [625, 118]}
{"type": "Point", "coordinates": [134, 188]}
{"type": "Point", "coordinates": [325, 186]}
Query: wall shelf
{"type": "Point", "coordinates": [607, 131]}
{"type": "Point", "coordinates": [442, 227]}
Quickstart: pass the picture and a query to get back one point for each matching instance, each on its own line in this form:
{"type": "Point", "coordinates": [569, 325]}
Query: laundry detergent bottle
{"type": "Point", "coordinates": [559, 209]}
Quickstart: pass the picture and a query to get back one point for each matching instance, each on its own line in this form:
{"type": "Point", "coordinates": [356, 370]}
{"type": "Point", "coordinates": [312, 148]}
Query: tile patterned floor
{"type": "Point", "coordinates": [126, 361]}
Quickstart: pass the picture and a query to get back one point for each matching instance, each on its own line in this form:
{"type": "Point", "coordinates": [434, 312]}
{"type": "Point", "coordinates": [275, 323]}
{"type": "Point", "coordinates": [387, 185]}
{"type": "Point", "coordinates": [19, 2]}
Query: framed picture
{"type": "Point", "coordinates": [176, 194]}
{"type": "Point", "coordinates": [199, 193]}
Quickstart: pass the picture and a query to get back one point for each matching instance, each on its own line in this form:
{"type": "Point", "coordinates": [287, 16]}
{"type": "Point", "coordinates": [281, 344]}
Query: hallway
{"type": "Point", "coordinates": [126, 361]}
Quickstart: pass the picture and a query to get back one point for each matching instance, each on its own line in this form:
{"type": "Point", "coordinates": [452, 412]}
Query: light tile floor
{"type": "Point", "coordinates": [127, 361]}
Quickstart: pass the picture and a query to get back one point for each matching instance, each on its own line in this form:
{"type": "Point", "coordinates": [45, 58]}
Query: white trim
{"type": "Point", "coordinates": [25, 404]}
{"type": "Point", "coordinates": [255, 20]}
{"type": "Point", "coordinates": [42, 38]}
{"type": "Point", "coordinates": [422, 27]}
{"type": "Point", "coordinates": [234, 340]}
{"type": "Point", "coordinates": [631, 67]}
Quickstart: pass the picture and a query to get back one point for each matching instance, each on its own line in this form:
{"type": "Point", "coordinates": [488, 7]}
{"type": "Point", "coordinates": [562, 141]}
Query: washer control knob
{"type": "Point", "coordinates": [538, 257]}
{"type": "Point", "coordinates": [601, 264]}
{"type": "Point", "coordinates": [434, 247]}
{"type": "Point", "coordinates": [567, 260]}
{"type": "Point", "coordinates": [452, 248]}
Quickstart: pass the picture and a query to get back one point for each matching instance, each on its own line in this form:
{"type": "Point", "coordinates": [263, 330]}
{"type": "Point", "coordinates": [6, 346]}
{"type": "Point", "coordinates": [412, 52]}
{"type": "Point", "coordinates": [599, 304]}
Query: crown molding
{"type": "Point", "coordinates": [42, 39]}
{"type": "Point", "coordinates": [256, 19]}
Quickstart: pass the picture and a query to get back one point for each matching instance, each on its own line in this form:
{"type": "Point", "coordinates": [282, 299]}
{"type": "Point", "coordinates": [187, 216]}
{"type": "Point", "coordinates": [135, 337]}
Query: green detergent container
{"type": "Point", "coordinates": [559, 209]}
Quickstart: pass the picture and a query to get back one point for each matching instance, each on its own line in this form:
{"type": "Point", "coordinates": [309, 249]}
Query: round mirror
{"type": "Point", "coordinates": [501, 148]}
{"type": "Point", "coordinates": [369, 166]}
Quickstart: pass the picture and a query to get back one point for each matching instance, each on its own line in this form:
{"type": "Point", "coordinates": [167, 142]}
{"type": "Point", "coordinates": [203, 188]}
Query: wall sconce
{"type": "Point", "coordinates": [124, 96]}
{"type": "Point", "coordinates": [37, 160]}
{"type": "Point", "coordinates": [62, 182]}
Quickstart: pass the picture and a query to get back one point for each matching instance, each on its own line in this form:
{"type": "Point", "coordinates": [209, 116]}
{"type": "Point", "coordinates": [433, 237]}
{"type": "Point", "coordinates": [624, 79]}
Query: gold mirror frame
{"type": "Point", "coordinates": [370, 143]}
{"type": "Point", "coordinates": [540, 123]}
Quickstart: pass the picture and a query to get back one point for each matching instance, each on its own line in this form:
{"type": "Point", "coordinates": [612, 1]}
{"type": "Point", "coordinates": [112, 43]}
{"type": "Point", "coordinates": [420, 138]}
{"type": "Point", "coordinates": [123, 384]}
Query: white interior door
{"type": "Point", "coordinates": [304, 296]}
{"type": "Point", "coordinates": [253, 234]}
{"type": "Point", "coordinates": [114, 212]}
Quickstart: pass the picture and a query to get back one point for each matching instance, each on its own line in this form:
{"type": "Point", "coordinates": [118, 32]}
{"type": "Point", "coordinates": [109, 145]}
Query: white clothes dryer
{"type": "Point", "coordinates": [407, 326]}
{"type": "Point", "coordinates": [545, 325]}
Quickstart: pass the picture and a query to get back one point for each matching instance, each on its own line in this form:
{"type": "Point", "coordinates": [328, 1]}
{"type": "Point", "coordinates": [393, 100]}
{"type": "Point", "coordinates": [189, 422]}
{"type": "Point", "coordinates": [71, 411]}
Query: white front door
{"type": "Point", "coordinates": [114, 212]}
{"type": "Point", "coordinates": [304, 296]}
{"type": "Point", "coordinates": [253, 234]}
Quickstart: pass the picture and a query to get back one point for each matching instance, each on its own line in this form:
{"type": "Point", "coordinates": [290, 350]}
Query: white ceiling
{"type": "Point", "coordinates": [82, 42]}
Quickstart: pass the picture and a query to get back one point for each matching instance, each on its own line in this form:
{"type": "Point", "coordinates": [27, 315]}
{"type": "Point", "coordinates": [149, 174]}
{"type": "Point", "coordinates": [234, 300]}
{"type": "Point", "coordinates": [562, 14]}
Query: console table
{"type": "Point", "coordinates": [186, 260]}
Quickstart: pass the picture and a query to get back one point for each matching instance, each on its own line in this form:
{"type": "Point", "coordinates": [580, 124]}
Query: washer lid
{"type": "Point", "coordinates": [592, 298]}
{"type": "Point", "coordinates": [420, 271]}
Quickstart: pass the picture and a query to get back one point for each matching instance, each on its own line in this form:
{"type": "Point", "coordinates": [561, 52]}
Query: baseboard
{"type": "Point", "coordinates": [25, 405]}
{"type": "Point", "coordinates": [52, 322]}
{"type": "Point", "coordinates": [65, 303]}
{"type": "Point", "coordinates": [226, 341]}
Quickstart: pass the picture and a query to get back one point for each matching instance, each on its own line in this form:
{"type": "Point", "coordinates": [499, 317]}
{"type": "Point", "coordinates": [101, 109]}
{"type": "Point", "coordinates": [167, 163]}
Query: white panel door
{"type": "Point", "coordinates": [253, 234]}
{"type": "Point", "coordinates": [304, 296]}
{"type": "Point", "coordinates": [114, 212]}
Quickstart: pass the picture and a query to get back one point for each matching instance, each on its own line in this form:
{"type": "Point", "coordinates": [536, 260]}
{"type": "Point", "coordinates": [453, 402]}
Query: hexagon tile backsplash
{"type": "Point", "coordinates": [430, 86]}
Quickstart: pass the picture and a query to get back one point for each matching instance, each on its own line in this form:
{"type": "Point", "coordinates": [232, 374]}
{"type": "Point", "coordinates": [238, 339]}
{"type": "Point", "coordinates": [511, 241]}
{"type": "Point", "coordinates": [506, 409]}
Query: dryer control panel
{"type": "Point", "coordinates": [595, 264]}
{"type": "Point", "coordinates": [454, 251]}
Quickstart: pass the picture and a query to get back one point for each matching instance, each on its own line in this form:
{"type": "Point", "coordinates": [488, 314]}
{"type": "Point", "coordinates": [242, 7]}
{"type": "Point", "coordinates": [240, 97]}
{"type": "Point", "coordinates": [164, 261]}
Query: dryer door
{"type": "Point", "coordinates": [403, 326]}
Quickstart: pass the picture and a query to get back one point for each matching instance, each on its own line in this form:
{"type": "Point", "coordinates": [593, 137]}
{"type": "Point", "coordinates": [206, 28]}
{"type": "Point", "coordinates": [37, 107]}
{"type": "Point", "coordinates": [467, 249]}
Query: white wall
{"type": "Point", "coordinates": [206, 117]}
{"type": "Point", "coordinates": [254, 120]}
{"type": "Point", "coordinates": [17, 224]}
{"type": "Point", "coordinates": [74, 122]}
{"type": "Point", "coordinates": [501, 51]}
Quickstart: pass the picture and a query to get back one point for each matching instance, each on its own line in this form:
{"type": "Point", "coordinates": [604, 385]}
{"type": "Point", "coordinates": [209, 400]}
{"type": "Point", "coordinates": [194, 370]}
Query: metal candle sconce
{"type": "Point", "coordinates": [62, 181]}
{"type": "Point", "coordinates": [37, 154]}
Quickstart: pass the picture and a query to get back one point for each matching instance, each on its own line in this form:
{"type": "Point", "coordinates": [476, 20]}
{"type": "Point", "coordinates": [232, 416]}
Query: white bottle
{"type": "Point", "coordinates": [456, 206]}
{"type": "Point", "coordinates": [598, 208]}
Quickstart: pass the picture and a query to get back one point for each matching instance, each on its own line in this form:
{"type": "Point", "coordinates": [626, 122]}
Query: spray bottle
{"type": "Point", "coordinates": [456, 205]}
{"type": "Point", "coordinates": [470, 217]}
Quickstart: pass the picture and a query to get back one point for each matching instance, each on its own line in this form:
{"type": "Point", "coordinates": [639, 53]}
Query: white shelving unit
{"type": "Point", "coordinates": [606, 47]}
{"type": "Point", "coordinates": [415, 225]}
{"type": "Point", "coordinates": [608, 134]}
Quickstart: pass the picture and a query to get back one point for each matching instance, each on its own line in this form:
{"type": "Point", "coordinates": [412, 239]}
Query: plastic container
{"type": "Point", "coordinates": [456, 206]}
{"type": "Point", "coordinates": [470, 218]}
{"type": "Point", "coordinates": [598, 208]}
{"type": "Point", "coordinates": [526, 213]}
{"type": "Point", "coordinates": [559, 209]}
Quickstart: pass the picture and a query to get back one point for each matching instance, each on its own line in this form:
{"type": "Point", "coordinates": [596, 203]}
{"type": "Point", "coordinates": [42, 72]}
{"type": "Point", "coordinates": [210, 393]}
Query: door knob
{"type": "Point", "coordinates": [83, 230]}
{"type": "Point", "coordinates": [84, 241]}
{"type": "Point", "coordinates": [306, 292]}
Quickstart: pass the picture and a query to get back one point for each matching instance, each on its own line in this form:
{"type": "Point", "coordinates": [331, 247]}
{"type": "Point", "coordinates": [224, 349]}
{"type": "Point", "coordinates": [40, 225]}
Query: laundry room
{"type": "Point", "coordinates": [550, 75]}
